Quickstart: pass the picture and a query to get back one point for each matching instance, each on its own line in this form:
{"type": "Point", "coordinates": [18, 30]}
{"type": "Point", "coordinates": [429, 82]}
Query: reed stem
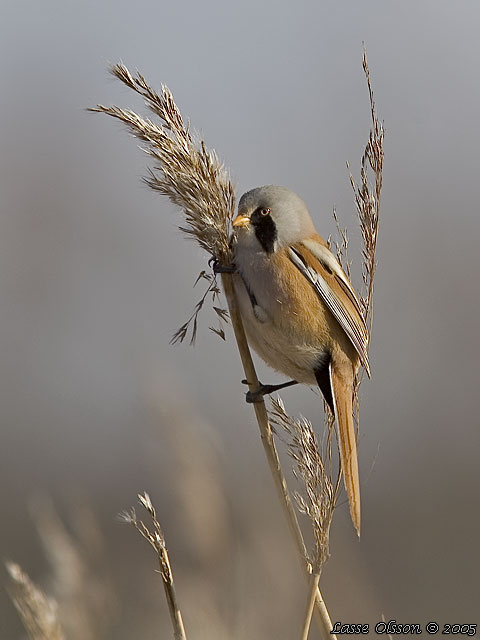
{"type": "Point", "coordinates": [310, 606]}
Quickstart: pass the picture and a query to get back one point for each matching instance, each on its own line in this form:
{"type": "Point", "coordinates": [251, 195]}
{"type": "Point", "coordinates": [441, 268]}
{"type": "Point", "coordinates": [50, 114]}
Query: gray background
{"type": "Point", "coordinates": [95, 277]}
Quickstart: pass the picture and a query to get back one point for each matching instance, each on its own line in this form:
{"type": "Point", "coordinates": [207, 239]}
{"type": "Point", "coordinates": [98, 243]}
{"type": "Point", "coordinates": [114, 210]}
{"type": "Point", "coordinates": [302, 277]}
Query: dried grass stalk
{"type": "Point", "coordinates": [38, 612]}
{"type": "Point", "coordinates": [157, 540]}
{"type": "Point", "coordinates": [307, 621]}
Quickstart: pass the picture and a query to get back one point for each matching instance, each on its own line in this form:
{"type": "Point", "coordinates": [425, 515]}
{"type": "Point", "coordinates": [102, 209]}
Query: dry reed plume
{"type": "Point", "coordinates": [183, 169]}
{"type": "Point", "coordinates": [313, 467]}
{"type": "Point", "coordinates": [190, 174]}
{"type": "Point", "coordinates": [81, 594]}
{"type": "Point", "coordinates": [367, 202]}
{"type": "Point", "coordinates": [38, 612]}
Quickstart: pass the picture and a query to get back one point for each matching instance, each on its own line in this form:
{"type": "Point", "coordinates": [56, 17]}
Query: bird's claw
{"type": "Point", "coordinates": [257, 395]}
{"type": "Point", "coordinates": [264, 390]}
{"type": "Point", "coordinates": [221, 268]}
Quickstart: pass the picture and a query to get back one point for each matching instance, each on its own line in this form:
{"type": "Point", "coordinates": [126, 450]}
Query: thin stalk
{"type": "Point", "coordinates": [310, 606]}
{"type": "Point", "coordinates": [171, 596]}
{"type": "Point", "coordinates": [270, 449]}
{"type": "Point", "coordinates": [156, 539]}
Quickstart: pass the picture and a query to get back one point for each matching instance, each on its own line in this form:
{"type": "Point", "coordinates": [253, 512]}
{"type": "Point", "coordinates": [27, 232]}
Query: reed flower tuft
{"type": "Point", "coordinates": [184, 169]}
{"type": "Point", "coordinates": [367, 199]}
{"type": "Point", "coordinates": [38, 612]}
{"type": "Point", "coordinates": [189, 174]}
{"type": "Point", "coordinates": [313, 467]}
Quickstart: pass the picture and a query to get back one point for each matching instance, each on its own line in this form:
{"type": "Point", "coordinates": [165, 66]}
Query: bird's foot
{"type": "Point", "coordinates": [265, 389]}
{"type": "Point", "coordinates": [222, 268]}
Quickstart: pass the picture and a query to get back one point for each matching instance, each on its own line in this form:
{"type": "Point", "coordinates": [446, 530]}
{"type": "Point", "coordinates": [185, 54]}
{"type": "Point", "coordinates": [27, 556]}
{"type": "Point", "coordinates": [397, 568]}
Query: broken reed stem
{"type": "Point", "coordinates": [156, 539]}
{"type": "Point", "coordinates": [266, 434]}
{"type": "Point", "coordinates": [171, 596]}
{"type": "Point", "coordinates": [310, 606]}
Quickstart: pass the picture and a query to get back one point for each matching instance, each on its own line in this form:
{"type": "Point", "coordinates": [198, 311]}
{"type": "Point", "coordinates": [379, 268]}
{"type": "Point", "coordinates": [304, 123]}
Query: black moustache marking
{"type": "Point", "coordinates": [265, 230]}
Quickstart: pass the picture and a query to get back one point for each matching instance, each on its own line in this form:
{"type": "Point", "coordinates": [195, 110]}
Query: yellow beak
{"type": "Point", "coordinates": [241, 221]}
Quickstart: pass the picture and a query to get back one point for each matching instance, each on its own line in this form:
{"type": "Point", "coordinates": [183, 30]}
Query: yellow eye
{"type": "Point", "coordinates": [265, 212]}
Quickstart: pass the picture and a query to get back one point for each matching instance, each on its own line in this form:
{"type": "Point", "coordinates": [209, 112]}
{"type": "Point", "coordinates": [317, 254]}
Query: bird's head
{"type": "Point", "coordinates": [274, 217]}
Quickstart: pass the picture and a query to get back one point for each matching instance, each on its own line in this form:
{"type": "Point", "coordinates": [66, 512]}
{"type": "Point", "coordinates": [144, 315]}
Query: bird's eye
{"type": "Point", "coordinates": [265, 212]}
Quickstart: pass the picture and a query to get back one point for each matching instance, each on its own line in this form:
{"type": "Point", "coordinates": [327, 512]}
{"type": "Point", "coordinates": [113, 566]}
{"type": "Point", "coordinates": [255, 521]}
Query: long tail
{"type": "Point", "coordinates": [342, 399]}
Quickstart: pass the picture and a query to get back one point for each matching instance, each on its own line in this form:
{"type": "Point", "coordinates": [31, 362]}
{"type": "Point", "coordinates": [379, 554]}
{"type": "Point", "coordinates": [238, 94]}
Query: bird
{"type": "Point", "coordinates": [300, 312]}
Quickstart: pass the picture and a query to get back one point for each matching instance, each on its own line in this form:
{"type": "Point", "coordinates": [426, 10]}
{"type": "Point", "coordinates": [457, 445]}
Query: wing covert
{"type": "Point", "coordinates": [354, 327]}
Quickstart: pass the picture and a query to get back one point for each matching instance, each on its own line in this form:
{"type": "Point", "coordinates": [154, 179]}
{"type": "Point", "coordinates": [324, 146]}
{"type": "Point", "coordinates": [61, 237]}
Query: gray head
{"type": "Point", "coordinates": [273, 216]}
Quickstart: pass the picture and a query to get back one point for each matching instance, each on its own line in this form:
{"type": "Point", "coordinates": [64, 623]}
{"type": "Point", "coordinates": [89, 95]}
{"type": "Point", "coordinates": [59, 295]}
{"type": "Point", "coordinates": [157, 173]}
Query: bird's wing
{"type": "Point", "coordinates": [320, 250]}
{"type": "Point", "coordinates": [330, 282]}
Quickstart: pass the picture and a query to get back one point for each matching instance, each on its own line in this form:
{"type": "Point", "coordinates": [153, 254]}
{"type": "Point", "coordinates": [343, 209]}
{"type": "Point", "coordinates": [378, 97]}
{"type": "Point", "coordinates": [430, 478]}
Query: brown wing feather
{"type": "Point", "coordinates": [319, 248]}
{"type": "Point", "coordinates": [339, 300]}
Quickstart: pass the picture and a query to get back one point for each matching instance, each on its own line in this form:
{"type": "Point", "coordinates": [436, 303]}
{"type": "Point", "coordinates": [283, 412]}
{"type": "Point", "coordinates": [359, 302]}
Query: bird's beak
{"type": "Point", "coordinates": [241, 221]}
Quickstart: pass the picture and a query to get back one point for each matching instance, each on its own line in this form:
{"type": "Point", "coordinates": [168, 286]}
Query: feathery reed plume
{"type": "Point", "coordinates": [193, 178]}
{"type": "Point", "coordinates": [367, 200]}
{"type": "Point", "coordinates": [79, 578]}
{"type": "Point", "coordinates": [38, 612]}
{"type": "Point", "coordinates": [186, 171]}
{"type": "Point", "coordinates": [157, 540]}
{"type": "Point", "coordinates": [313, 467]}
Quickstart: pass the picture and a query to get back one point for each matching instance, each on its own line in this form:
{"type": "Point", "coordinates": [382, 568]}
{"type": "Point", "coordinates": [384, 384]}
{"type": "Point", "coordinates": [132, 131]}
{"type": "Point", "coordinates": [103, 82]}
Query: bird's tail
{"type": "Point", "coordinates": [342, 398]}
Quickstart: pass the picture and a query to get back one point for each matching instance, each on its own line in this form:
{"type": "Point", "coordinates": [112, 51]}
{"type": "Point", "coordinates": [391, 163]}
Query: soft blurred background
{"type": "Point", "coordinates": [96, 405]}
